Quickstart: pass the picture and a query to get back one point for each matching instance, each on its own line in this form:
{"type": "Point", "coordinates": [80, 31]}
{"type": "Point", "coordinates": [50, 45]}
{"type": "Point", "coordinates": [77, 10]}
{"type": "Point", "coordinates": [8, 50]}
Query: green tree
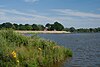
{"type": "Point", "coordinates": [91, 30]}
{"type": "Point", "coordinates": [52, 27]}
{"type": "Point", "coordinates": [7, 25]}
{"type": "Point", "coordinates": [28, 27]}
{"type": "Point", "coordinates": [72, 29]}
{"type": "Point", "coordinates": [21, 27]}
{"type": "Point", "coordinates": [58, 26]}
{"type": "Point", "coordinates": [66, 29]}
{"type": "Point", "coordinates": [41, 27]}
{"type": "Point", "coordinates": [0, 26]}
{"type": "Point", "coordinates": [98, 29]}
{"type": "Point", "coordinates": [48, 26]}
{"type": "Point", "coordinates": [16, 26]}
{"type": "Point", "coordinates": [35, 27]}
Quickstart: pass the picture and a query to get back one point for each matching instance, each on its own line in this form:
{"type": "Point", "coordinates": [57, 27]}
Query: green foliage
{"type": "Point", "coordinates": [15, 26]}
{"type": "Point", "coordinates": [72, 29]}
{"type": "Point", "coordinates": [17, 50]}
{"type": "Point", "coordinates": [7, 25]}
{"type": "Point", "coordinates": [50, 27]}
{"type": "Point", "coordinates": [12, 37]}
{"type": "Point", "coordinates": [21, 27]}
{"type": "Point", "coordinates": [28, 27]}
{"type": "Point", "coordinates": [82, 30]}
{"type": "Point", "coordinates": [35, 27]}
{"type": "Point", "coordinates": [58, 26]}
{"type": "Point", "coordinates": [41, 27]}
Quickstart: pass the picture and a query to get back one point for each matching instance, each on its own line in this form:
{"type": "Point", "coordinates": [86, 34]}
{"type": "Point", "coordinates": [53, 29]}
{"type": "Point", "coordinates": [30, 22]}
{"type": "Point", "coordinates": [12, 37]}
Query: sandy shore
{"type": "Point", "coordinates": [42, 32]}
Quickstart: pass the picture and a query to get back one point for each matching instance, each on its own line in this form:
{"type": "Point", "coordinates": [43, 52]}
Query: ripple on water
{"type": "Point", "coordinates": [85, 46]}
{"type": "Point", "coordinates": [98, 55]}
{"type": "Point", "coordinates": [98, 65]}
{"type": "Point", "coordinates": [75, 65]}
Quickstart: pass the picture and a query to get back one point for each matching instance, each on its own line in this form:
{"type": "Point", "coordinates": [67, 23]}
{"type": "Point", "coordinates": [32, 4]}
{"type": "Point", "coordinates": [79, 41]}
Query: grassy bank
{"type": "Point", "coordinates": [17, 50]}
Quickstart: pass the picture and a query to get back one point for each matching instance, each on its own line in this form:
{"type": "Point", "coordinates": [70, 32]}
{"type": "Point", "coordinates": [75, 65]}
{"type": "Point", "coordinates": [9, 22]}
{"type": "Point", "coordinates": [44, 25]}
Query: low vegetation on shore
{"type": "Point", "coordinates": [17, 50]}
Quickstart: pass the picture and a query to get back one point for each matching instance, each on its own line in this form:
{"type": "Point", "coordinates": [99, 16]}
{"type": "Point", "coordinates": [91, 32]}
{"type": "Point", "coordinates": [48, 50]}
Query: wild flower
{"type": "Point", "coordinates": [39, 49]}
{"type": "Point", "coordinates": [53, 47]}
{"type": "Point", "coordinates": [17, 61]}
{"type": "Point", "coordinates": [14, 54]}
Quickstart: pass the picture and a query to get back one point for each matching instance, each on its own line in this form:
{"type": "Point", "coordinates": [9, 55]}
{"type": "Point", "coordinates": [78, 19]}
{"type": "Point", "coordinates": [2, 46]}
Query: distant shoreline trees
{"type": "Point", "coordinates": [56, 26]}
{"type": "Point", "coordinates": [82, 30]}
{"type": "Point", "coordinates": [48, 27]}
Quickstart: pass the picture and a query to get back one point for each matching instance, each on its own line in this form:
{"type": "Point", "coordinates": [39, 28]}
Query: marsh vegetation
{"type": "Point", "coordinates": [17, 50]}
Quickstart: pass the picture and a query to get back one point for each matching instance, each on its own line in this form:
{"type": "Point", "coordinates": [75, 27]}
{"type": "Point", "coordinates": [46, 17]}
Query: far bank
{"type": "Point", "coordinates": [56, 32]}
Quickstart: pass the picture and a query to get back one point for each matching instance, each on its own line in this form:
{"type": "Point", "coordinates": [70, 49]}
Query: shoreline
{"type": "Point", "coordinates": [51, 32]}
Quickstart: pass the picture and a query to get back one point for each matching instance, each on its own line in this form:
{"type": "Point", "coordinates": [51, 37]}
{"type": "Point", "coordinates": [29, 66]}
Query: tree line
{"type": "Point", "coordinates": [56, 26]}
{"type": "Point", "coordinates": [49, 27]}
{"type": "Point", "coordinates": [82, 30]}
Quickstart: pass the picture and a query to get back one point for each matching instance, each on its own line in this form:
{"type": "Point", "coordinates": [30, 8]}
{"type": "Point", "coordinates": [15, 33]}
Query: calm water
{"type": "Point", "coordinates": [85, 47]}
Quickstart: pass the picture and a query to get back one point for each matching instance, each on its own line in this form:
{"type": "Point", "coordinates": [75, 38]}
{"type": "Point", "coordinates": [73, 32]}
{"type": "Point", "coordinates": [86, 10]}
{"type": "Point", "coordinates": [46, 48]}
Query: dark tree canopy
{"type": "Point", "coordinates": [72, 29]}
{"type": "Point", "coordinates": [41, 27]}
{"type": "Point", "coordinates": [21, 27]}
{"type": "Point", "coordinates": [52, 27]}
{"type": "Point", "coordinates": [28, 27]}
{"type": "Point", "coordinates": [7, 25]}
{"type": "Point", "coordinates": [49, 27]}
{"type": "Point", "coordinates": [58, 26]}
{"type": "Point", "coordinates": [35, 27]}
{"type": "Point", "coordinates": [16, 26]}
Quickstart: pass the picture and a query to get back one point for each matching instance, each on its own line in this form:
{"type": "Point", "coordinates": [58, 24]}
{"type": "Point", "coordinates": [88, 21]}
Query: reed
{"type": "Point", "coordinates": [17, 50]}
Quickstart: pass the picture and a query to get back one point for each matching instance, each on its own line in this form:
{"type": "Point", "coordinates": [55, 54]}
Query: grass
{"type": "Point", "coordinates": [17, 50]}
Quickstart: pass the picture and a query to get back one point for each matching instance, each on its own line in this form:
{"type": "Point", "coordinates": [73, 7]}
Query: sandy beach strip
{"type": "Point", "coordinates": [42, 32]}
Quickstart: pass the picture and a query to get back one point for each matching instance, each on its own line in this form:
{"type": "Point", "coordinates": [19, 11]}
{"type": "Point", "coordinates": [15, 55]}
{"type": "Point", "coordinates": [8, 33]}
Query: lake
{"type": "Point", "coordinates": [85, 47]}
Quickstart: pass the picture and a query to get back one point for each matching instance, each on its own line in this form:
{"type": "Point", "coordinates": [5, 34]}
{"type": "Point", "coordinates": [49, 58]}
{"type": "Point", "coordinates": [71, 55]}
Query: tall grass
{"type": "Point", "coordinates": [17, 50]}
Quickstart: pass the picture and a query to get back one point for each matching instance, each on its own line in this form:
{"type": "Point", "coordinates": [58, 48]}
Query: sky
{"type": "Point", "coordinates": [70, 13]}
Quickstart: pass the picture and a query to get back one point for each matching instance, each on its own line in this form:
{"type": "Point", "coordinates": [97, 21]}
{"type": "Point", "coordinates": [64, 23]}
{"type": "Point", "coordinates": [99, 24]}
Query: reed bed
{"type": "Point", "coordinates": [17, 50]}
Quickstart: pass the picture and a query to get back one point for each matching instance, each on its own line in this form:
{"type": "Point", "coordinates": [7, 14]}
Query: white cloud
{"type": "Point", "coordinates": [69, 12]}
{"type": "Point", "coordinates": [2, 13]}
{"type": "Point", "coordinates": [31, 1]}
{"type": "Point", "coordinates": [77, 18]}
{"type": "Point", "coordinates": [18, 16]}
{"type": "Point", "coordinates": [67, 17]}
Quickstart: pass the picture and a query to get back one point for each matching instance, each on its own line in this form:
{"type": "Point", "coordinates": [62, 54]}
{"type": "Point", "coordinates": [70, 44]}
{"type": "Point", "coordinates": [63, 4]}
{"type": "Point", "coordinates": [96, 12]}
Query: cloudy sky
{"type": "Point", "coordinates": [71, 13]}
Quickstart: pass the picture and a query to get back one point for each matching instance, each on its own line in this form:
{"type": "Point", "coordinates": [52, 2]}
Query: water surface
{"type": "Point", "coordinates": [85, 47]}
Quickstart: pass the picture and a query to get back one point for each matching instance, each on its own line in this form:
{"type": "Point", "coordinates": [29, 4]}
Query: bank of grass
{"type": "Point", "coordinates": [17, 50]}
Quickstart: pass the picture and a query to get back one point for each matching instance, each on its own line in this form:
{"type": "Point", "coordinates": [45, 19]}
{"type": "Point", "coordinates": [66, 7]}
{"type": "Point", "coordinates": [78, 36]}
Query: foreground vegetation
{"type": "Point", "coordinates": [17, 50]}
